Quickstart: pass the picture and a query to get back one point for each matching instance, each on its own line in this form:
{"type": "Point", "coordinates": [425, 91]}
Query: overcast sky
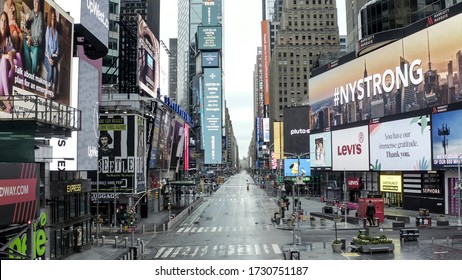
{"type": "Point", "coordinates": [241, 39]}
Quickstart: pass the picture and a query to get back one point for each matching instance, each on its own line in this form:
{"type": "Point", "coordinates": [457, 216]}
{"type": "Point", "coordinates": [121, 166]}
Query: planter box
{"type": "Point", "coordinates": [388, 247]}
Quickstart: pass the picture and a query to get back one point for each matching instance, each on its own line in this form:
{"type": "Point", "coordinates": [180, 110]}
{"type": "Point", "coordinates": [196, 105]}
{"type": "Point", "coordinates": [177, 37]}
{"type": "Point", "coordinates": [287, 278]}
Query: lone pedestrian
{"type": "Point", "coordinates": [370, 212]}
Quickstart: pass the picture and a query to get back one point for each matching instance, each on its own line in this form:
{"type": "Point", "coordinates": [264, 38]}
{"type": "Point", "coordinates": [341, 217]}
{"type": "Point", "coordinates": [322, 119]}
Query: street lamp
{"type": "Point", "coordinates": [459, 187]}
{"type": "Point", "coordinates": [298, 155]}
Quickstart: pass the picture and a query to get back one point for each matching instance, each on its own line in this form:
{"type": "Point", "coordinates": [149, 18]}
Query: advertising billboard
{"type": "Point", "coordinates": [213, 115]}
{"type": "Point", "coordinates": [446, 139]}
{"type": "Point", "coordinates": [209, 37]}
{"type": "Point", "coordinates": [350, 149]}
{"type": "Point", "coordinates": [321, 145]}
{"type": "Point", "coordinates": [209, 13]}
{"type": "Point", "coordinates": [292, 168]}
{"type": "Point", "coordinates": [18, 193]}
{"type": "Point", "coordinates": [278, 140]}
{"type": "Point", "coordinates": [80, 152]}
{"type": "Point", "coordinates": [391, 182]}
{"type": "Point", "coordinates": [165, 140]}
{"type": "Point", "coordinates": [148, 59]}
{"type": "Point", "coordinates": [210, 59]}
{"type": "Point", "coordinates": [401, 145]}
{"type": "Point", "coordinates": [421, 71]}
{"type": "Point", "coordinates": [266, 54]}
{"type": "Point", "coordinates": [296, 130]}
{"type": "Point", "coordinates": [120, 155]}
{"type": "Point", "coordinates": [41, 66]}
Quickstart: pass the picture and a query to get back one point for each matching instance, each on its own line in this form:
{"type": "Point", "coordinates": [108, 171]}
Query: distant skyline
{"type": "Point", "coordinates": [242, 37]}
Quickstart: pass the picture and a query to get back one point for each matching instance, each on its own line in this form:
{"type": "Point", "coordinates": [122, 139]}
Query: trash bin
{"type": "Point", "coordinates": [294, 254]}
{"type": "Point", "coordinates": [343, 240]}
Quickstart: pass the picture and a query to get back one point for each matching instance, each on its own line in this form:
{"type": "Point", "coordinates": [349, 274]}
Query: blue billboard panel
{"type": "Point", "coordinates": [212, 115]}
{"type": "Point", "coordinates": [209, 38]}
{"type": "Point", "coordinates": [446, 139]}
{"type": "Point", "coordinates": [292, 168]}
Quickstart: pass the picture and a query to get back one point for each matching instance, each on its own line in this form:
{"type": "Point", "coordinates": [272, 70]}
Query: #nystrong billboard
{"type": "Point", "coordinates": [40, 41]}
{"type": "Point", "coordinates": [420, 71]}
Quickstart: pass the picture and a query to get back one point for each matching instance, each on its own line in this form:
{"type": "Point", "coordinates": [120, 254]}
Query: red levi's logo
{"type": "Point", "coordinates": [353, 149]}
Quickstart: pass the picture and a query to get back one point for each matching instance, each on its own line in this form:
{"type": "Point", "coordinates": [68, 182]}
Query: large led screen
{"type": "Point", "coordinates": [402, 145]}
{"type": "Point", "coordinates": [40, 43]}
{"type": "Point", "coordinates": [148, 59]}
{"type": "Point", "coordinates": [296, 130]}
{"type": "Point", "coordinates": [350, 149]}
{"type": "Point", "coordinates": [320, 144]}
{"type": "Point", "coordinates": [294, 167]}
{"type": "Point", "coordinates": [446, 139]}
{"type": "Point", "coordinates": [420, 71]}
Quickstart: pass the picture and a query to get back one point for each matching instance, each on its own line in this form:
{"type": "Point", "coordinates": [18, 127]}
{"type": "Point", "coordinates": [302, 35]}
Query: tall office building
{"type": "Point", "coordinates": [172, 68]}
{"type": "Point", "coordinates": [307, 29]}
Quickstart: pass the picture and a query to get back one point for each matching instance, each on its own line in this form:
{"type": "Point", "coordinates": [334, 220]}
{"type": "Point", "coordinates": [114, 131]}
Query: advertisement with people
{"type": "Point", "coordinates": [446, 139]}
{"type": "Point", "coordinates": [36, 53]}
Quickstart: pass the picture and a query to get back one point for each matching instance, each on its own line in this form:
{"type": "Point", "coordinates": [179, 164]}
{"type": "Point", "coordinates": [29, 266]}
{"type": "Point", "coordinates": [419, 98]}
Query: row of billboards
{"type": "Point", "coordinates": [420, 143]}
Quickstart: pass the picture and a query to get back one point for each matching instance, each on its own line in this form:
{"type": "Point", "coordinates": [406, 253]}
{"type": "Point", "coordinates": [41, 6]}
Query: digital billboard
{"type": "Point", "coordinates": [296, 130]}
{"type": "Point", "coordinates": [18, 193]}
{"type": "Point", "coordinates": [292, 168]}
{"type": "Point", "coordinates": [42, 42]}
{"type": "Point", "coordinates": [212, 115]}
{"type": "Point", "coordinates": [148, 59]}
{"type": "Point", "coordinates": [320, 144]}
{"type": "Point", "coordinates": [350, 149]}
{"type": "Point", "coordinates": [209, 37]}
{"type": "Point", "coordinates": [121, 150]}
{"type": "Point", "coordinates": [420, 71]}
{"type": "Point", "coordinates": [210, 59]}
{"type": "Point", "coordinates": [401, 145]}
{"type": "Point", "coordinates": [391, 182]}
{"type": "Point", "coordinates": [446, 139]}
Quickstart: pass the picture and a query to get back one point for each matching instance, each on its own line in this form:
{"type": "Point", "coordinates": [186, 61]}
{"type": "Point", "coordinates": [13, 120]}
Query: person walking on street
{"type": "Point", "coordinates": [370, 212]}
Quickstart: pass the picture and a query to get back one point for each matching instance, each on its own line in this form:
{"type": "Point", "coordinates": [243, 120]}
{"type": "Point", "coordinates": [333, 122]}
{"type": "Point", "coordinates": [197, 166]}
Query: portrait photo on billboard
{"type": "Point", "coordinates": [36, 52]}
{"type": "Point", "coordinates": [320, 144]}
{"type": "Point", "coordinates": [420, 72]}
{"type": "Point", "coordinates": [148, 59]}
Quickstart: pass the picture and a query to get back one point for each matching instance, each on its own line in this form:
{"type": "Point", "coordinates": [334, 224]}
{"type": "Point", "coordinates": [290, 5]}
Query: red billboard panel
{"type": "Point", "coordinates": [18, 193]}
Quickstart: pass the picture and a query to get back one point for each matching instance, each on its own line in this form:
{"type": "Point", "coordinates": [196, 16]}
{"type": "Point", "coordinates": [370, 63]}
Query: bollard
{"type": "Point", "coordinates": [433, 240]}
{"type": "Point", "coordinates": [126, 241]}
{"type": "Point", "coordinates": [121, 228]}
{"type": "Point", "coordinates": [163, 227]}
{"type": "Point", "coordinates": [138, 241]}
{"type": "Point", "coordinates": [92, 239]}
{"type": "Point", "coordinates": [142, 246]}
{"type": "Point", "coordinates": [324, 244]}
{"type": "Point", "coordinates": [155, 228]}
{"type": "Point", "coordinates": [447, 240]}
{"type": "Point", "coordinates": [103, 238]}
{"type": "Point", "coordinates": [116, 239]}
{"type": "Point", "coordinates": [142, 228]}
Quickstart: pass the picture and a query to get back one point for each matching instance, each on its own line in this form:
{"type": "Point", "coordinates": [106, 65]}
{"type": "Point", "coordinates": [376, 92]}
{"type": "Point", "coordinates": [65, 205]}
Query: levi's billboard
{"type": "Point", "coordinates": [350, 149]}
{"type": "Point", "coordinates": [420, 71]}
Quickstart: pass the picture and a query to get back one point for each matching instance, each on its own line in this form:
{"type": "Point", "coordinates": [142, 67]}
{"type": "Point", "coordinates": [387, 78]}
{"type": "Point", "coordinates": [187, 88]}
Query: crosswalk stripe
{"type": "Point", "coordinates": [265, 248]}
{"type": "Point", "coordinates": [257, 249]}
{"type": "Point", "coordinates": [193, 230]}
{"type": "Point", "coordinates": [167, 252]}
{"type": "Point", "coordinates": [200, 229]}
{"type": "Point", "coordinates": [159, 252]}
{"type": "Point", "coordinates": [220, 229]}
{"type": "Point", "coordinates": [177, 250]}
{"type": "Point", "coordinates": [218, 250]}
{"type": "Point", "coordinates": [230, 250]}
{"type": "Point", "coordinates": [213, 229]}
{"type": "Point", "coordinates": [204, 251]}
{"type": "Point", "coordinates": [276, 248]}
{"type": "Point", "coordinates": [180, 229]}
{"type": "Point", "coordinates": [187, 229]}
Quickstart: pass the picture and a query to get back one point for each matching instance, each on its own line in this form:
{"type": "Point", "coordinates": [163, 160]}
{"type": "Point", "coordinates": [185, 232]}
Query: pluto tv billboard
{"type": "Point", "coordinates": [296, 130]}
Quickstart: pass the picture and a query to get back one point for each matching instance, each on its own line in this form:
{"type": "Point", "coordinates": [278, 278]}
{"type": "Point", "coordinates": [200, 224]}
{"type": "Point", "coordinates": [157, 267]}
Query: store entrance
{"type": "Point", "coordinates": [394, 199]}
